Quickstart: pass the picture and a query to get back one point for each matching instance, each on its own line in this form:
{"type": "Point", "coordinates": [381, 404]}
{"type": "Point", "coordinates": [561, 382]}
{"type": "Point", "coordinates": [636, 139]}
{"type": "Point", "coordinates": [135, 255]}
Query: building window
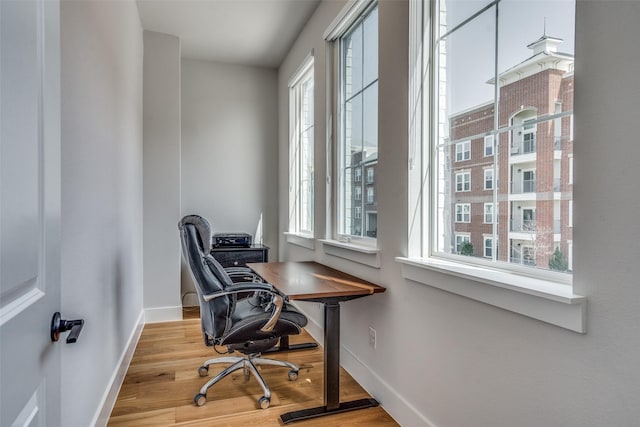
{"type": "Point", "coordinates": [488, 247]}
{"type": "Point", "coordinates": [301, 146]}
{"type": "Point", "coordinates": [463, 212]}
{"type": "Point", "coordinates": [358, 212]}
{"type": "Point", "coordinates": [463, 151]}
{"type": "Point", "coordinates": [488, 213]}
{"type": "Point", "coordinates": [356, 42]}
{"type": "Point", "coordinates": [370, 195]}
{"type": "Point", "coordinates": [488, 179]}
{"type": "Point", "coordinates": [370, 172]}
{"type": "Point", "coordinates": [463, 241]}
{"type": "Point", "coordinates": [463, 181]}
{"type": "Point", "coordinates": [488, 145]}
{"type": "Point", "coordinates": [515, 94]}
{"type": "Point", "coordinates": [357, 174]}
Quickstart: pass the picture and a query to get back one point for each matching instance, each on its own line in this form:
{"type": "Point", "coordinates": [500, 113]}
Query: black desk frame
{"type": "Point", "coordinates": [332, 404]}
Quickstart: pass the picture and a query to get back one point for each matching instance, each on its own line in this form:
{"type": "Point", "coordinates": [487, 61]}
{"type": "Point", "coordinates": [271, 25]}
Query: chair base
{"type": "Point", "coordinates": [248, 363]}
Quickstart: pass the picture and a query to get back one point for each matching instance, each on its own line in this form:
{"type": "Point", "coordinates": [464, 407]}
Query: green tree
{"type": "Point", "coordinates": [558, 261]}
{"type": "Point", "coordinates": [466, 249]}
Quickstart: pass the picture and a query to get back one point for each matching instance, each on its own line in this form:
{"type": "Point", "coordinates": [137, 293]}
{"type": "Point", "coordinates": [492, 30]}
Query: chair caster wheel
{"type": "Point", "coordinates": [293, 375]}
{"type": "Point", "coordinates": [264, 402]}
{"type": "Point", "coordinates": [203, 371]}
{"type": "Point", "coordinates": [200, 399]}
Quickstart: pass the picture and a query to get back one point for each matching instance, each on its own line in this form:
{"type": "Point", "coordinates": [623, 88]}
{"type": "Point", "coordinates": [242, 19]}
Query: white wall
{"type": "Point", "coordinates": [101, 195]}
{"type": "Point", "coordinates": [445, 360]}
{"type": "Point", "coordinates": [161, 177]}
{"type": "Point", "coordinates": [229, 150]}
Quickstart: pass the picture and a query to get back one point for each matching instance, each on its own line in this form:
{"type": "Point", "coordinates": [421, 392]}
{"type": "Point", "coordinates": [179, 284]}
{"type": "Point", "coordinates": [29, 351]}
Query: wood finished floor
{"type": "Point", "coordinates": [163, 378]}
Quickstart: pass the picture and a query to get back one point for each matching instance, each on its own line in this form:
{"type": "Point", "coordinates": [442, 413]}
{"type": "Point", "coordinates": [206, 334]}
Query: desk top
{"type": "Point", "coordinates": [310, 280]}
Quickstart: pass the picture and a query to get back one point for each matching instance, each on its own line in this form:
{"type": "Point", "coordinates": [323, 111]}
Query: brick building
{"type": "Point", "coordinates": [516, 170]}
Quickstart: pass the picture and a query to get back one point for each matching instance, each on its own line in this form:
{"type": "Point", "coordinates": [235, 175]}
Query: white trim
{"type": "Point", "coordinates": [543, 300]}
{"type": "Point", "coordinates": [162, 314]}
{"type": "Point", "coordinates": [390, 399]}
{"type": "Point", "coordinates": [304, 240]}
{"type": "Point", "coordinates": [304, 67]}
{"type": "Point", "coordinates": [347, 16]}
{"type": "Point", "coordinates": [101, 418]}
{"type": "Point", "coordinates": [366, 255]}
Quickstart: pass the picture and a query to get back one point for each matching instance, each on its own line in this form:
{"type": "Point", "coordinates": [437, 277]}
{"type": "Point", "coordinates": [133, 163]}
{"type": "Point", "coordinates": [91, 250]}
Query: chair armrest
{"type": "Point", "coordinates": [243, 287]}
{"type": "Point", "coordinates": [278, 299]}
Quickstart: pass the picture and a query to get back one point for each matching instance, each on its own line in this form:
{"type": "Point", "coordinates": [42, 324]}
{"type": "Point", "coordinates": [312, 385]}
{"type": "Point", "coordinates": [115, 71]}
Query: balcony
{"type": "Point", "coordinates": [521, 187]}
{"type": "Point", "coordinates": [531, 226]}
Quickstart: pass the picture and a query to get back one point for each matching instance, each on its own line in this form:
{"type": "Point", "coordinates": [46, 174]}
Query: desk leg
{"type": "Point", "coordinates": [331, 374]}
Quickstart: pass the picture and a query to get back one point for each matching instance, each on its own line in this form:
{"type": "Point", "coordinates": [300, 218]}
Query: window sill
{"type": "Point", "coordinates": [540, 299]}
{"type": "Point", "coordinates": [357, 253]}
{"type": "Point", "coordinates": [304, 240]}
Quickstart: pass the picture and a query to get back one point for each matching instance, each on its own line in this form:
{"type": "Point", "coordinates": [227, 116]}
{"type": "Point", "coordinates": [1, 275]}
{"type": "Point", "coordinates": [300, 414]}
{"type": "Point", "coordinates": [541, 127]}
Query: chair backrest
{"type": "Point", "coordinates": [195, 236]}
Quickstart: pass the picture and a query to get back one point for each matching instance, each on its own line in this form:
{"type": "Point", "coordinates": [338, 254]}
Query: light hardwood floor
{"type": "Point", "coordinates": [163, 378]}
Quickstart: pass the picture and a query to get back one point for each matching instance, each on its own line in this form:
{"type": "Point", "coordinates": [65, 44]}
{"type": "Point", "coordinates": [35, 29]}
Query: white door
{"type": "Point", "coordinates": [29, 212]}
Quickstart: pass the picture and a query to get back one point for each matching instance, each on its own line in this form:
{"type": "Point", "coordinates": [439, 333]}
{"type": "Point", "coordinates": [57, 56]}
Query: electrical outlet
{"type": "Point", "coordinates": [372, 337]}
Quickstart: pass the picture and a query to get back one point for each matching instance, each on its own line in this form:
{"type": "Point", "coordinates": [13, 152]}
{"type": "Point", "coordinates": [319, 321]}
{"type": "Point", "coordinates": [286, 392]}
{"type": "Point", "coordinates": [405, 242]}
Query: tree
{"type": "Point", "coordinates": [557, 261]}
{"type": "Point", "coordinates": [466, 248]}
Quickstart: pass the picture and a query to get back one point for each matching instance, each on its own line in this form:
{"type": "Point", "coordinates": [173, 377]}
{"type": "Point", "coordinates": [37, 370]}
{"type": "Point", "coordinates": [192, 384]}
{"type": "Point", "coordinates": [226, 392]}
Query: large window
{"type": "Point", "coordinates": [501, 108]}
{"type": "Point", "coordinates": [301, 150]}
{"type": "Point", "coordinates": [357, 136]}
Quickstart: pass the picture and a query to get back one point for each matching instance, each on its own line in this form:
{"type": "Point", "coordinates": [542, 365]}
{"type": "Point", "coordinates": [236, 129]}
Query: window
{"type": "Point", "coordinates": [488, 247]}
{"type": "Point", "coordinates": [357, 129]}
{"type": "Point", "coordinates": [483, 71]}
{"type": "Point", "coordinates": [500, 80]}
{"type": "Point", "coordinates": [488, 213]}
{"type": "Point", "coordinates": [463, 241]}
{"type": "Point", "coordinates": [370, 172]}
{"type": "Point", "coordinates": [301, 122]}
{"type": "Point", "coordinates": [370, 195]}
{"type": "Point", "coordinates": [463, 151]}
{"type": "Point", "coordinates": [358, 212]}
{"type": "Point", "coordinates": [488, 179]}
{"type": "Point", "coordinates": [488, 145]}
{"type": "Point", "coordinates": [463, 181]}
{"type": "Point", "coordinates": [463, 212]}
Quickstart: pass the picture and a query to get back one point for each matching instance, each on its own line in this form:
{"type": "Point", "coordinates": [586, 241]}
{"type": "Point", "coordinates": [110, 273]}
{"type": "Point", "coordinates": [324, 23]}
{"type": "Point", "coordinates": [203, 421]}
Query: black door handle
{"type": "Point", "coordinates": [58, 325]}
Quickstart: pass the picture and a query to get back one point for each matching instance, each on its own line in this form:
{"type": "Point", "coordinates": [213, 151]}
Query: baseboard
{"type": "Point", "coordinates": [101, 418]}
{"type": "Point", "coordinates": [162, 314]}
{"type": "Point", "coordinates": [397, 406]}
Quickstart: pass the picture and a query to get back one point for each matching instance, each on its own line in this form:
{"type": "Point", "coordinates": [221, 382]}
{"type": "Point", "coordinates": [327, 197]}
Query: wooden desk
{"type": "Point", "coordinates": [310, 281]}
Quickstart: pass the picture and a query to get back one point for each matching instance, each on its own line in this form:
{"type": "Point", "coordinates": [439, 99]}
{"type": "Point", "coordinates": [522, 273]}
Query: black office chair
{"type": "Point", "coordinates": [250, 325]}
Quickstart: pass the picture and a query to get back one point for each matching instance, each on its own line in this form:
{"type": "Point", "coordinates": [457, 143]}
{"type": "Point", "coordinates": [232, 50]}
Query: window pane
{"type": "Point", "coordinates": [518, 177]}
{"type": "Point", "coordinates": [370, 48]}
{"type": "Point", "coordinates": [358, 137]}
{"type": "Point", "coordinates": [456, 11]}
{"type": "Point", "coordinates": [352, 72]}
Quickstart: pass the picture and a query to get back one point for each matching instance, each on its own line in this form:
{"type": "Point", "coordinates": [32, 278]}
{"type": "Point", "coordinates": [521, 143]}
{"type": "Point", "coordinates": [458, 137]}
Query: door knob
{"type": "Point", "coordinates": [59, 325]}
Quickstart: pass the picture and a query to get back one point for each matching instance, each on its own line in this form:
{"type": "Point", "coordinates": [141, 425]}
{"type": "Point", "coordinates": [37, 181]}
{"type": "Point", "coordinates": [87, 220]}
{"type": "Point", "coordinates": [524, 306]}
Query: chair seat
{"type": "Point", "coordinates": [249, 316]}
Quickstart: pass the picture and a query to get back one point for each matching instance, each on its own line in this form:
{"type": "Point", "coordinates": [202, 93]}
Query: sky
{"type": "Point", "coordinates": [471, 49]}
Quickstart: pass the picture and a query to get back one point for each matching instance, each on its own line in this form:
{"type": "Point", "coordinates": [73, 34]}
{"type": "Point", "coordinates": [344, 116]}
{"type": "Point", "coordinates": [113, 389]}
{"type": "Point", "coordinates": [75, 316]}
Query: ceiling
{"type": "Point", "coordinates": [247, 32]}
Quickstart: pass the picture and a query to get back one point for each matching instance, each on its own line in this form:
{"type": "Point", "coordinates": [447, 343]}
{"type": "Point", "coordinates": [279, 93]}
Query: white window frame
{"type": "Point", "coordinates": [354, 13]}
{"type": "Point", "coordinates": [488, 214]}
{"type": "Point", "coordinates": [370, 174]}
{"type": "Point", "coordinates": [460, 239]}
{"type": "Point", "coordinates": [463, 151]}
{"type": "Point", "coordinates": [488, 145]}
{"type": "Point", "coordinates": [463, 212]}
{"type": "Point", "coordinates": [486, 239]}
{"type": "Point", "coordinates": [465, 184]}
{"type": "Point", "coordinates": [488, 171]}
{"type": "Point", "coordinates": [370, 195]}
{"type": "Point", "coordinates": [546, 297]}
{"type": "Point", "coordinates": [297, 150]}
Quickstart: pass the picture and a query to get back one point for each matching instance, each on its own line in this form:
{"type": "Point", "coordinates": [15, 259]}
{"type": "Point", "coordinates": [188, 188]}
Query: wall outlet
{"type": "Point", "coordinates": [372, 337]}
